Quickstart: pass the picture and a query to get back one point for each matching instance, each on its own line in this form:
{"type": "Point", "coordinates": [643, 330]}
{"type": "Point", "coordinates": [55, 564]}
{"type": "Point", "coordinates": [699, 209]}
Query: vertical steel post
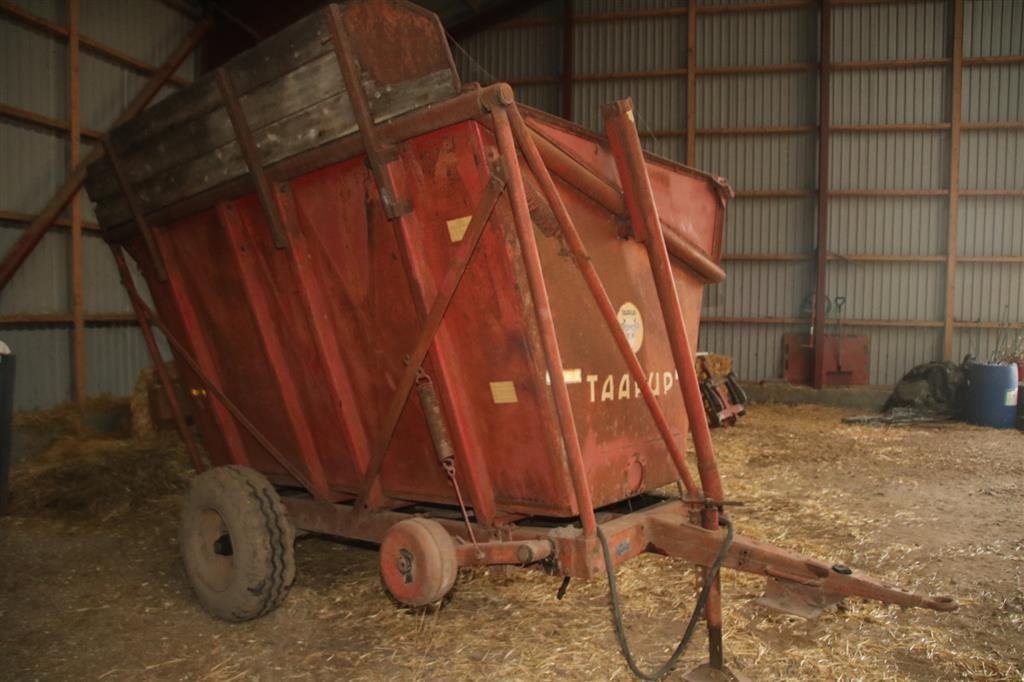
{"type": "Point", "coordinates": [948, 327]}
{"type": "Point", "coordinates": [251, 155]}
{"type": "Point", "coordinates": [636, 184]}
{"type": "Point", "coordinates": [568, 28]}
{"type": "Point", "coordinates": [545, 320]}
{"type": "Point", "coordinates": [376, 152]}
{"type": "Point", "coordinates": [597, 290]}
{"type": "Point", "coordinates": [640, 197]}
{"type": "Point", "coordinates": [74, 157]}
{"type": "Point", "coordinates": [691, 83]}
{"type": "Point", "coordinates": [317, 309]}
{"type": "Point", "coordinates": [821, 248]}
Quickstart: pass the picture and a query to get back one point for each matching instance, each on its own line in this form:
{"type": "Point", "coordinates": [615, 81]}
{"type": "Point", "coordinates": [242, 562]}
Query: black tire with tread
{"type": "Point", "coordinates": [254, 579]}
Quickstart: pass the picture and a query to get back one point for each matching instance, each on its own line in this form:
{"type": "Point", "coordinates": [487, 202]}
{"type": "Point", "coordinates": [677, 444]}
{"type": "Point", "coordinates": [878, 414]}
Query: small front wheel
{"type": "Point", "coordinates": [237, 543]}
{"type": "Point", "coordinates": [417, 562]}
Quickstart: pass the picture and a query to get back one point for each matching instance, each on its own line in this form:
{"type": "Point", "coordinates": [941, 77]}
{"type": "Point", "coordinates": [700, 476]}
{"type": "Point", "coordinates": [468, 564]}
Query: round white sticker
{"type": "Point", "coordinates": [632, 324]}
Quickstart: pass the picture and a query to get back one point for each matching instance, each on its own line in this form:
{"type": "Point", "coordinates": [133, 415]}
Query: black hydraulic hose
{"type": "Point", "coordinates": [620, 629]}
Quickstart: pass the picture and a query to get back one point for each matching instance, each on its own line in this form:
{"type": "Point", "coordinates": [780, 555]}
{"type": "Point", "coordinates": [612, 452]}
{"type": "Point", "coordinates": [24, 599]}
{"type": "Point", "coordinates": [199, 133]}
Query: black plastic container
{"type": "Point", "coordinates": [6, 412]}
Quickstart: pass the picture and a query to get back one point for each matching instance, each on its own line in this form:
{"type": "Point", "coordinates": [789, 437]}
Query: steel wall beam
{"type": "Point", "coordinates": [568, 45]}
{"type": "Point", "coordinates": [74, 157]}
{"type": "Point", "coordinates": [38, 23]}
{"type": "Point", "coordinates": [691, 83]}
{"type": "Point", "coordinates": [954, 177]}
{"type": "Point", "coordinates": [32, 118]}
{"type": "Point", "coordinates": [756, 69]}
{"type": "Point", "coordinates": [35, 231]}
{"type": "Point", "coordinates": [821, 242]}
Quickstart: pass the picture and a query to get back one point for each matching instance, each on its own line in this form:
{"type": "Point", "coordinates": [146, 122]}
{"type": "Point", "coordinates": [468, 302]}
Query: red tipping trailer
{"type": "Point", "coordinates": [413, 312]}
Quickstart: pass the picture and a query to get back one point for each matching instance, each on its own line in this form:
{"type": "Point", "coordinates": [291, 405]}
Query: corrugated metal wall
{"type": "Point", "coordinates": [896, 288]}
{"type": "Point", "coordinates": [757, 70]}
{"type": "Point", "coordinates": [33, 163]}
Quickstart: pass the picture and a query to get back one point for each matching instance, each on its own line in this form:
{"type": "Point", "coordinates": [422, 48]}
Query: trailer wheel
{"type": "Point", "coordinates": [417, 562]}
{"type": "Point", "coordinates": [237, 544]}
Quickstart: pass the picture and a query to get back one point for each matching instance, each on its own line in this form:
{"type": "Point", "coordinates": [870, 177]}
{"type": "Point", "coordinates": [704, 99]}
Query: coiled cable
{"type": "Point", "coordinates": [702, 599]}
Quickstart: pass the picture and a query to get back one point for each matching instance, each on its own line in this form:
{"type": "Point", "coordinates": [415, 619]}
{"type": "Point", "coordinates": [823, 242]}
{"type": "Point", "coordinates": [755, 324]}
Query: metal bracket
{"type": "Point", "coordinates": [250, 153]}
{"type": "Point", "coordinates": [803, 600]}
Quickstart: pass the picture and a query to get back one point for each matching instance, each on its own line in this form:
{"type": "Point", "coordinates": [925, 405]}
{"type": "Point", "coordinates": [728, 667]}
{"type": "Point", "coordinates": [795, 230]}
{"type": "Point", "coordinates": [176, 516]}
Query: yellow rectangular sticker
{"type": "Point", "coordinates": [457, 227]}
{"type": "Point", "coordinates": [503, 392]}
{"type": "Point", "coordinates": [571, 376]}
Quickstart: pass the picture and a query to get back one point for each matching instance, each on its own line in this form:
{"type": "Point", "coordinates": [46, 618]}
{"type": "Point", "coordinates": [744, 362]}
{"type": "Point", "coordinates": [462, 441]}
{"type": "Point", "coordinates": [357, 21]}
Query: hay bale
{"type": "Point", "coordinates": [713, 366]}
{"type": "Point", "coordinates": [143, 425]}
{"type": "Point", "coordinates": [83, 476]}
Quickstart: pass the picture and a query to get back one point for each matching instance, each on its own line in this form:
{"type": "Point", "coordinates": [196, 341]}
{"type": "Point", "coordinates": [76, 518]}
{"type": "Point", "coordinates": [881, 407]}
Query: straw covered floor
{"type": "Point", "coordinates": [92, 587]}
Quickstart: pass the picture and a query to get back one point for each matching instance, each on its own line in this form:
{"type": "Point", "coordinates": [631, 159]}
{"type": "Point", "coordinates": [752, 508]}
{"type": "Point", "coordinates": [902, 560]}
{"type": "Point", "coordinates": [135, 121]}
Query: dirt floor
{"type": "Point", "coordinates": [91, 586]}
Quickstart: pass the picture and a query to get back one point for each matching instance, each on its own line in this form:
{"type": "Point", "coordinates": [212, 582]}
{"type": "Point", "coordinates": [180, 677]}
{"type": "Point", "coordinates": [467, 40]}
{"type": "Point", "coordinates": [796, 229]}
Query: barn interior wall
{"type": "Point", "coordinates": [35, 307]}
{"type": "Point", "coordinates": [757, 123]}
{"type": "Point", "coordinates": [755, 114]}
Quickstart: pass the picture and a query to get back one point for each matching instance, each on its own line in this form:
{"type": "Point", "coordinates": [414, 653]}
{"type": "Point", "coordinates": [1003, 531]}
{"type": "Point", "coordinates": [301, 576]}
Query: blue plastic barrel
{"type": "Point", "coordinates": [991, 397]}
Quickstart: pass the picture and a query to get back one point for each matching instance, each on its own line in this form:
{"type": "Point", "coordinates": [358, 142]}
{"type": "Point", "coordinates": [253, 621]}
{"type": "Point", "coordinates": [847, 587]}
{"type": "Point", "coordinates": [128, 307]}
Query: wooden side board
{"type": "Point", "coordinates": [293, 133]}
{"type": "Point", "coordinates": [272, 59]}
{"type": "Point", "coordinates": [293, 97]}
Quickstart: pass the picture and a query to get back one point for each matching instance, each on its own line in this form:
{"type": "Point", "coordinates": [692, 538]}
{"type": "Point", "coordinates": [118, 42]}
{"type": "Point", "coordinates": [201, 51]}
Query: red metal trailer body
{"type": "Point", "coordinates": [310, 340]}
{"type": "Point", "coordinates": [412, 312]}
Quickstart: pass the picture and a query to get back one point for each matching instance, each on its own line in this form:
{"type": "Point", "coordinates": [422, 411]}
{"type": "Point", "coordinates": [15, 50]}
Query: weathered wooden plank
{"type": "Point", "coordinates": [203, 134]}
{"type": "Point", "coordinates": [283, 52]}
{"type": "Point", "coordinates": [167, 188]}
{"type": "Point", "coordinates": [99, 180]}
{"type": "Point", "coordinates": [306, 129]}
{"type": "Point", "coordinates": [251, 156]}
{"type": "Point", "coordinates": [136, 213]}
{"type": "Point", "coordinates": [389, 101]}
{"type": "Point", "coordinates": [312, 82]}
{"type": "Point", "coordinates": [270, 60]}
{"type": "Point", "coordinates": [183, 143]}
{"type": "Point", "coordinates": [195, 100]}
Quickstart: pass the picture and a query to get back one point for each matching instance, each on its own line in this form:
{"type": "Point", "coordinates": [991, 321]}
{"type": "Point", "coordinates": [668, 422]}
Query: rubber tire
{"type": "Point", "coordinates": [430, 561]}
{"type": "Point", "coordinates": [255, 577]}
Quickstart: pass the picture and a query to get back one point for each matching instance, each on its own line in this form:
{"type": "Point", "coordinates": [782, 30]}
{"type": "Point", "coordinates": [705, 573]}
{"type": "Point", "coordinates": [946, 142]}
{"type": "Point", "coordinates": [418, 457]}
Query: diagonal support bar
{"type": "Point", "coordinates": [450, 284]}
{"type": "Point", "coordinates": [636, 186]}
{"type": "Point", "coordinates": [199, 462]}
{"type": "Point", "coordinates": [260, 296]}
{"type": "Point", "coordinates": [182, 353]}
{"type": "Point", "coordinates": [33, 234]}
{"type": "Point", "coordinates": [542, 306]}
{"type": "Point", "coordinates": [597, 290]}
{"type": "Point", "coordinates": [361, 110]}
{"type": "Point", "coordinates": [251, 155]}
